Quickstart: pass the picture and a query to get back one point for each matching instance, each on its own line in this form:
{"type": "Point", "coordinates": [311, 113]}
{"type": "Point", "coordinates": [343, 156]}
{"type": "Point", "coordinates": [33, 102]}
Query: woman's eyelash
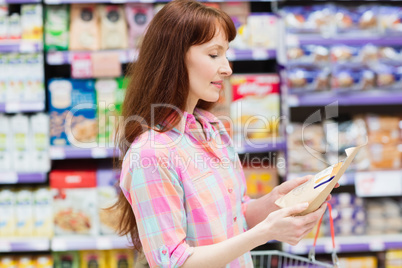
{"type": "Point", "coordinates": [213, 56]}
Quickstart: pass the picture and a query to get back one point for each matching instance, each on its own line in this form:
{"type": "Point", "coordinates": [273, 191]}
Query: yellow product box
{"type": "Point", "coordinates": [7, 262]}
{"type": "Point", "coordinates": [44, 261]}
{"type": "Point", "coordinates": [7, 213]}
{"type": "Point", "coordinates": [260, 180]}
{"type": "Point", "coordinates": [393, 259]}
{"type": "Point", "coordinates": [120, 258]}
{"type": "Point", "coordinates": [361, 262]}
{"type": "Point", "coordinates": [25, 262]}
{"type": "Point", "coordinates": [93, 258]}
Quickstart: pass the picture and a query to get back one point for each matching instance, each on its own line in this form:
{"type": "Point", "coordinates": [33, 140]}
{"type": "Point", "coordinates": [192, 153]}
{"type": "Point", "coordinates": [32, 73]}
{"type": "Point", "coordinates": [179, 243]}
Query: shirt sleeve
{"type": "Point", "coordinates": [157, 199]}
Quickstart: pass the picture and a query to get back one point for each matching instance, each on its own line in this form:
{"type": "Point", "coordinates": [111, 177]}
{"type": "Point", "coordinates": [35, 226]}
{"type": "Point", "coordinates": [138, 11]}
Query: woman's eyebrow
{"type": "Point", "coordinates": [218, 47]}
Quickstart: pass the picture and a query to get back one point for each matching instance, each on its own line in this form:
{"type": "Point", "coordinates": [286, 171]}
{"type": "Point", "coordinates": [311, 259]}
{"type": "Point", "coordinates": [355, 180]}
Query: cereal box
{"type": "Point", "coordinates": [255, 107]}
{"type": "Point", "coordinates": [75, 201]}
{"type": "Point", "coordinates": [72, 112]}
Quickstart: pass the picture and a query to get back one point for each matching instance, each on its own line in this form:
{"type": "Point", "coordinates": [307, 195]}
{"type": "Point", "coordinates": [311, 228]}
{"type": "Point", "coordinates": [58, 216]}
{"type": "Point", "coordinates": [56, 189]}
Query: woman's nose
{"type": "Point", "coordinates": [225, 69]}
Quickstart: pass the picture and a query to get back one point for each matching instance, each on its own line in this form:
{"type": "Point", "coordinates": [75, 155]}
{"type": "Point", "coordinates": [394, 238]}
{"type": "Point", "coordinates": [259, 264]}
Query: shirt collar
{"type": "Point", "coordinates": [188, 120]}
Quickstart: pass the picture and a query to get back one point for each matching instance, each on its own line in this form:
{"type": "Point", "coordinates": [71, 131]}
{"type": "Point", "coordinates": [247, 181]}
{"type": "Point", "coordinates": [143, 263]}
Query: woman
{"type": "Point", "coordinates": [183, 198]}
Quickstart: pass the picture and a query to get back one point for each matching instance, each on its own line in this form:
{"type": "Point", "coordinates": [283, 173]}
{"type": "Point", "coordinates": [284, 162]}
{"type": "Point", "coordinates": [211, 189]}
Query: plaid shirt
{"type": "Point", "coordinates": [186, 188]}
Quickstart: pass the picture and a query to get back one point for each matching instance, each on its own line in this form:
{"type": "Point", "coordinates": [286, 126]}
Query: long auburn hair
{"type": "Point", "coordinates": [159, 76]}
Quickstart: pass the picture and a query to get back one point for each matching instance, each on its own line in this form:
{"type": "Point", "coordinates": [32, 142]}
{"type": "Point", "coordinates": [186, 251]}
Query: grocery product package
{"type": "Point", "coordinates": [21, 139]}
{"type": "Point", "coordinates": [118, 258]}
{"type": "Point", "coordinates": [5, 143]}
{"type": "Point", "coordinates": [308, 55]}
{"type": "Point", "coordinates": [57, 27]}
{"type": "Point", "coordinates": [360, 20]}
{"type": "Point", "coordinates": [303, 79]}
{"type": "Point", "coordinates": [24, 213]}
{"type": "Point", "coordinates": [309, 19]}
{"type": "Point", "coordinates": [255, 107]}
{"type": "Point", "coordinates": [110, 95]}
{"type": "Point", "coordinates": [262, 30]}
{"type": "Point", "coordinates": [139, 15]}
{"type": "Point", "coordinates": [7, 212]}
{"type": "Point", "coordinates": [93, 258]}
{"type": "Point", "coordinates": [75, 201]}
{"type": "Point", "coordinates": [39, 145]}
{"type": "Point", "coordinates": [260, 180]}
{"type": "Point", "coordinates": [107, 188]}
{"type": "Point", "coordinates": [43, 212]}
{"type": "Point", "coordinates": [32, 22]}
{"type": "Point", "coordinates": [72, 112]}
{"type": "Point", "coordinates": [316, 189]}
{"type": "Point", "coordinates": [113, 27]}
{"type": "Point", "coordinates": [44, 261]}
{"type": "Point", "coordinates": [70, 259]}
{"type": "Point", "coordinates": [84, 28]}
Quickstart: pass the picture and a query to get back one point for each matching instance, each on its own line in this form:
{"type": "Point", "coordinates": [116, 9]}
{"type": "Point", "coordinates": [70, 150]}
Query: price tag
{"type": "Point", "coordinates": [293, 101]}
{"type": "Point", "coordinates": [59, 244]}
{"type": "Point", "coordinates": [13, 107]}
{"type": "Point", "coordinates": [28, 47]}
{"type": "Point", "coordinates": [81, 65]}
{"type": "Point", "coordinates": [376, 245]}
{"type": "Point", "coordinates": [99, 153]}
{"type": "Point", "coordinates": [5, 246]}
{"type": "Point", "coordinates": [231, 54]}
{"type": "Point", "coordinates": [57, 153]}
{"type": "Point", "coordinates": [53, 2]}
{"type": "Point", "coordinates": [380, 183]}
{"type": "Point", "coordinates": [299, 249]}
{"type": "Point", "coordinates": [41, 245]}
{"type": "Point", "coordinates": [292, 40]}
{"type": "Point", "coordinates": [8, 177]}
{"type": "Point", "coordinates": [106, 64]}
{"type": "Point", "coordinates": [260, 54]}
{"type": "Point", "coordinates": [56, 58]}
{"type": "Point", "coordinates": [104, 243]}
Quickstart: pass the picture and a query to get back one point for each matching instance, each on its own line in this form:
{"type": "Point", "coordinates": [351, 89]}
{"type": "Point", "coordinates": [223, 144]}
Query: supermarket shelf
{"type": "Point", "coordinates": [22, 46]}
{"type": "Point", "coordinates": [24, 244]}
{"type": "Point", "coordinates": [59, 153]}
{"type": "Point", "coordinates": [250, 54]}
{"type": "Point", "coordinates": [128, 55]}
{"type": "Point", "coordinates": [88, 243]}
{"type": "Point", "coordinates": [65, 57]}
{"type": "Point", "coordinates": [375, 97]}
{"type": "Point", "coordinates": [348, 244]}
{"type": "Point", "coordinates": [15, 178]}
{"type": "Point", "coordinates": [24, 107]}
{"type": "Point", "coordinates": [20, 1]}
{"type": "Point", "coordinates": [261, 146]}
{"type": "Point", "coordinates": [345, 40]}
{"type": "Point", "coordinates": [56, 2]}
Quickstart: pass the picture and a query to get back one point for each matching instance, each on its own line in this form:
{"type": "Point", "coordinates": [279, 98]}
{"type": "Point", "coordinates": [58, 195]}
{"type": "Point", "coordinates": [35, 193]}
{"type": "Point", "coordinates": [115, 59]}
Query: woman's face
{"type": "Point", "coordinates": [207, 66]}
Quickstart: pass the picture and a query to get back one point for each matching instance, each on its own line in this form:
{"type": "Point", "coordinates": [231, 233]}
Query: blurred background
{"type": "Point", "coordinates": [310, 78]}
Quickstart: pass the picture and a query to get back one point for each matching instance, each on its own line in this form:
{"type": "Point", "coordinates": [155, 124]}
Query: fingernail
{"type": "Point", "coordinates": [304, 205]}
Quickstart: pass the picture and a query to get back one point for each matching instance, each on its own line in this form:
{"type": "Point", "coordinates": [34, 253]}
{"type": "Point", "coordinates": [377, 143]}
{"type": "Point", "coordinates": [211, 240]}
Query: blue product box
{"type": "Point", "coordinates": [72, 107]}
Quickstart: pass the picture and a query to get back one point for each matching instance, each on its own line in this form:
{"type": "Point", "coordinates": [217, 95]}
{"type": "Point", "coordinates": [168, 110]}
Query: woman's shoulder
{"type": "Point", "coordinates": [152, 141]}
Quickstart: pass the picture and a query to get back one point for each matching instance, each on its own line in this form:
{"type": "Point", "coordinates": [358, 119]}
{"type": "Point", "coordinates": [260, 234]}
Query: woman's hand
{"type": "Point", "coordinates": [283, 226]}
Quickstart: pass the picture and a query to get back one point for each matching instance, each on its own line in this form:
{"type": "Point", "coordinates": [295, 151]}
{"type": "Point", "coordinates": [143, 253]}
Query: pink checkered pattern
{"type": "Point", "coordinates": [187, 189]}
